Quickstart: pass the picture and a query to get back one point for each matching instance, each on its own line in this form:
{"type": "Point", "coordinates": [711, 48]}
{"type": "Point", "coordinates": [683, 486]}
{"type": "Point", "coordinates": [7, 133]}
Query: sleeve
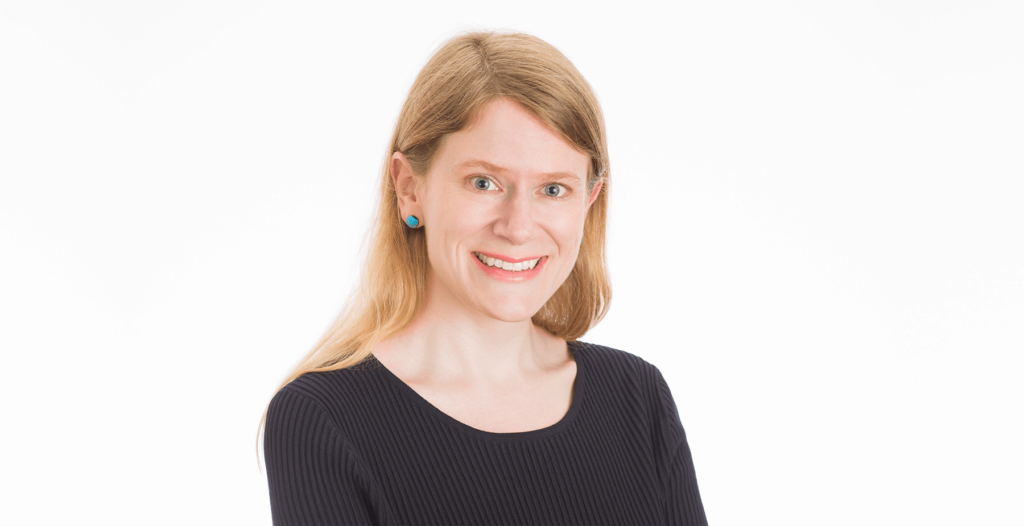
{"type": "Point", "coordinates": [315, 476]}
{"type": "Point", "coordinates": [683, 505]}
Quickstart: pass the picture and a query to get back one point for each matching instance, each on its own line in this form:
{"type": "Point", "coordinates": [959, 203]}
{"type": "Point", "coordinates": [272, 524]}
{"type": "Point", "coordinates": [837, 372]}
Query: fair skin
{"type": "Point", "coordinates": [505, 186]}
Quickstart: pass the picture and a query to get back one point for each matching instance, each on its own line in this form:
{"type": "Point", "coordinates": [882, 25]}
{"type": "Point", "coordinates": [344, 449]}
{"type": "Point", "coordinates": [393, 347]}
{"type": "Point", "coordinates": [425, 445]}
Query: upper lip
{"type": "Point", "coordinates": [506, 259]}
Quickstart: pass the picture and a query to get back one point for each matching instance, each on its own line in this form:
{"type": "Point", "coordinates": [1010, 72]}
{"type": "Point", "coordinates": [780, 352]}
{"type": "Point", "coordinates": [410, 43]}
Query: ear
{"type": "Point", "coordinates": [406, 187]}
{"type": "Point", "coordinates": [594, 193]}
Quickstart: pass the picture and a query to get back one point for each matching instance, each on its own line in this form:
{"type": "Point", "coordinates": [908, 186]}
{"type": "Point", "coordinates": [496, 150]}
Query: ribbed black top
{"type": "Point", "coordinates": [359, 446]}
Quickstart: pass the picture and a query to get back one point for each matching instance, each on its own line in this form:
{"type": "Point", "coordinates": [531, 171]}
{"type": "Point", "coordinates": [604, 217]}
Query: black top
{"type": "Point", "coordinates": [359, 446]}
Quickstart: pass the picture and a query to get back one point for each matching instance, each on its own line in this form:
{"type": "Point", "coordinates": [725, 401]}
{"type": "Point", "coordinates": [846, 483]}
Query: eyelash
{"type": "Point", "coordinates": [565, 190]}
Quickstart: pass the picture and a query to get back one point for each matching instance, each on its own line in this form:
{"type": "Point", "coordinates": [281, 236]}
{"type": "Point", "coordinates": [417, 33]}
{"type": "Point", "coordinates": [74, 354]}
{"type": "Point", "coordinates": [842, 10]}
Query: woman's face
{"type": "Point", "coordinates": [506, 192]}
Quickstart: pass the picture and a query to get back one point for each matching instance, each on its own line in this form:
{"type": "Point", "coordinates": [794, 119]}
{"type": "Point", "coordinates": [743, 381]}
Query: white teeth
{"type": "Point", "coordinates": [505, 265]}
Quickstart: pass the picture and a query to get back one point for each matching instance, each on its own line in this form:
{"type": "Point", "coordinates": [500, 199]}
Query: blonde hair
{"type": "Point", "coordinates": [461, 77]}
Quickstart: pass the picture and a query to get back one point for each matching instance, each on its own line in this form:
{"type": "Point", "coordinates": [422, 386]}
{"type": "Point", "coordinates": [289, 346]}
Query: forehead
{"type": "Point", "coordinates": [503, 136]}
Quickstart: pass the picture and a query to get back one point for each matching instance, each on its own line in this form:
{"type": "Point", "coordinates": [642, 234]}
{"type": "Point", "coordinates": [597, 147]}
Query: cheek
{"type": "Point", "coordinates": [454, 224]}
{"type": "Point", "coordinates": [568, 228]}
{"type": "Point", "coordinates": [464, 219]}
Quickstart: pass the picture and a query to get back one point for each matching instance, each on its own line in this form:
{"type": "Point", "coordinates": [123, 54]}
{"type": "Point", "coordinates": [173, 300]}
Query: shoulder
{"type": "Point", "coordinates": [610, 363]}
{"type": "Point", "coordinates": [329, 393]}
{"type": "Point", "coordinates": [626, 376]}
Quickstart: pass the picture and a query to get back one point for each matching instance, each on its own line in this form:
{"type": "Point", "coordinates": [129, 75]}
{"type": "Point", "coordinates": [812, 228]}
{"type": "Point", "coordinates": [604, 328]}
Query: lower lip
{"type": "Point", "coordinates": [504, 275]}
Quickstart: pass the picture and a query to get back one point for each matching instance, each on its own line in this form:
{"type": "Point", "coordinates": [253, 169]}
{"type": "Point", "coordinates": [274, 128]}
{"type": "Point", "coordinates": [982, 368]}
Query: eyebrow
{"type": "Point", "coordinates": [551, 176]}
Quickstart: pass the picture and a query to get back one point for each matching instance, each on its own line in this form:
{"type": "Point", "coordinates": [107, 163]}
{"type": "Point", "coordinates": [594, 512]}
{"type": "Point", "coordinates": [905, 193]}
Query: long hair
{"type": "Point", "coordinates": [463, 75]}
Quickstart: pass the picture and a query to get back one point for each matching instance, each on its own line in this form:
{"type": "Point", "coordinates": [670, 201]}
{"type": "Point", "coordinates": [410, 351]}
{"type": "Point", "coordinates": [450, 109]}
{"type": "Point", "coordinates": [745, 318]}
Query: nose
{"type": "Point", "coordinates": [515, 222]}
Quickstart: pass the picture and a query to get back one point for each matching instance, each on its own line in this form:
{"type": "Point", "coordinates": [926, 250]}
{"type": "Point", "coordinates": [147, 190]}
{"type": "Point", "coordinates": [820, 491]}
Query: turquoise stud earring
{"type": "Point", "coordinates": [412, 221]}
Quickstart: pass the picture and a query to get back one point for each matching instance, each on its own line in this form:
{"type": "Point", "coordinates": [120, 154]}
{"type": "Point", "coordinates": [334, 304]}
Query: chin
{"type": "Point", "coordinates": [513, 313]}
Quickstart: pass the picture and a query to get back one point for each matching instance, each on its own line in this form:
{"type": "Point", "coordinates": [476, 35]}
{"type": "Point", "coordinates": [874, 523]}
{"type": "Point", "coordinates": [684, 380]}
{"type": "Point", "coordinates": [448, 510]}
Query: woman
{"type": "Point", "coordinates": [452, 389]}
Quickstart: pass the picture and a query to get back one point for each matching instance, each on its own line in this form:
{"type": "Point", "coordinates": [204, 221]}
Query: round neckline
{"type": "Point", "coordinates": [437, 414]}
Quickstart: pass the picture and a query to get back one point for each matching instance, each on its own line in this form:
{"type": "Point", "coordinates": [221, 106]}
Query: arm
{"type": "Point", "coordinates": [682, 497]}
{"type": "Point", "coordinates": [314, 474]}
{"type": "Point", "coordinates": [683, 503]}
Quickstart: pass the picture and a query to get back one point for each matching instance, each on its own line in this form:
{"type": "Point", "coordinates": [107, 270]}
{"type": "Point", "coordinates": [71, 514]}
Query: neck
{"type": "Point", "coordinates": [449, 344]}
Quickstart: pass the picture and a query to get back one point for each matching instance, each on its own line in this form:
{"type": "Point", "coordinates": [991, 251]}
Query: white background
{"type": "Point", "coordinates": [815, 234]}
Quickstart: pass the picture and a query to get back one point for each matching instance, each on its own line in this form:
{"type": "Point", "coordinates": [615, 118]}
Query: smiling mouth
{"type": "Point", "coordinates": [505, 265]}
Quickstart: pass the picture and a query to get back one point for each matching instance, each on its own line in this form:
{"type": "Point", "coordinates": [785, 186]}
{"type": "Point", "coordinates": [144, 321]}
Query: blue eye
{"type": "Point", "coordinates": [482, 183]}
{"type": "Point", "coordinates": [554, 190]}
